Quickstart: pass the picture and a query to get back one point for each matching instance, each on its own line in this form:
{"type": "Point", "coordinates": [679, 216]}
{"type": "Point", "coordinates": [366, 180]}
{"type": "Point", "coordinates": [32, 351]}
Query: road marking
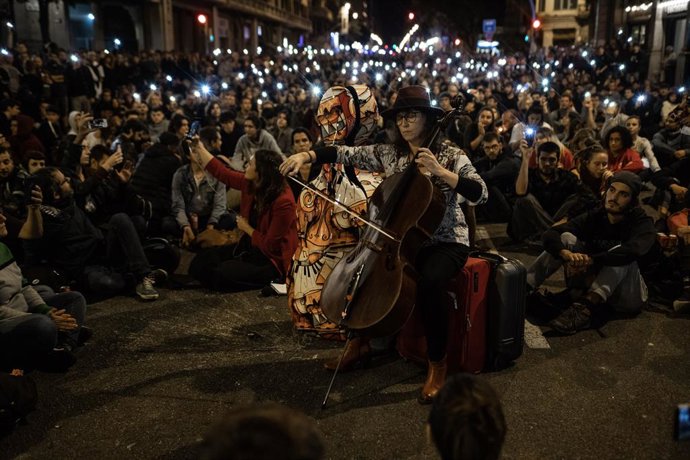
{"type": "Point", "coordinates": [534, 338]}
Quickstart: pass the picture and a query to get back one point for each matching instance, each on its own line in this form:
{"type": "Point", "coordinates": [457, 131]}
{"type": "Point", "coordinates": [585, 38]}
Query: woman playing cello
{"type": "Point", "coordinates": [446, 252]}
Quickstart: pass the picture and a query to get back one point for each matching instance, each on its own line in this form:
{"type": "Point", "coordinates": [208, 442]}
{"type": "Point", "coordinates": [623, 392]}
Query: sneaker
{"type": "Point", "coordinates": [574, 318]}
{"type": "Point", "coordinates": [145, 289]}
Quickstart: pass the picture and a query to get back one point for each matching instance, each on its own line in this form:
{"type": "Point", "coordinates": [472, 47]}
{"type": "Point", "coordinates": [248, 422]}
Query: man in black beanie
{"type": "Point", "coordinates": [600, 250]}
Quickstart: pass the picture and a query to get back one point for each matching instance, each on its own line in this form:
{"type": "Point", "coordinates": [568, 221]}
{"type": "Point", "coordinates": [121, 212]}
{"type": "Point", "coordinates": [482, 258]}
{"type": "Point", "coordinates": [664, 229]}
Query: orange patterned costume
{"type": "Point", "coordinates": [326, 232]}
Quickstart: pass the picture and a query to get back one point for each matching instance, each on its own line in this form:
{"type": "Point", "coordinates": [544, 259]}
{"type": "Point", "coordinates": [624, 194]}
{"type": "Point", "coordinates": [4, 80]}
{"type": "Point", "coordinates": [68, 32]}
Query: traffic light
{"type": "Point", "coordinates": [410, 16]}
{"type": "Point", "coordinates": [536, 23]}
{"type": "Point", "coordinates": [201, 19]}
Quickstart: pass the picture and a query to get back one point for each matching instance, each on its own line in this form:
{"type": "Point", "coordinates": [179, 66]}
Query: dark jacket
{"type": "Point", "coordinates": [152, 179]}
{"type": "Point", "coordinates": [608, 244]}
{"type": "Point", "coordinates": [102, 195]}
{"type": "Point", "coordinates": [501, 172]}
{"type": "Point", "coordinates": [25, 139]}
{"type": "Point", "coordinates": [552, 195]}
{"type": "Point", "coordinates": [70, 240]}
{"type": "Point", "coordinates": [276, 230]}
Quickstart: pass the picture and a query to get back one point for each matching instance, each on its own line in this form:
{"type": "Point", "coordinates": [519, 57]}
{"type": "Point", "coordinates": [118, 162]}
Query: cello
{"type": "Point", "coordinates": [372, 290]}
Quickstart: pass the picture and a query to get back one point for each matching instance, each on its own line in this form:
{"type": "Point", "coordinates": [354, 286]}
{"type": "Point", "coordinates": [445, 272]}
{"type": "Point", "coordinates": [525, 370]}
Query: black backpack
{"type": "Point", "coordinates": [17, 399]}
{"type": "Point", "coordinates": [161, 254]}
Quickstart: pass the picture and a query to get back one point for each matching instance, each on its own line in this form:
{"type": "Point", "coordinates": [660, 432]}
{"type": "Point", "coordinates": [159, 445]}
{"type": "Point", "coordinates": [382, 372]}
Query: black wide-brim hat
{"type": "Point", "coordinates": [413, 97]}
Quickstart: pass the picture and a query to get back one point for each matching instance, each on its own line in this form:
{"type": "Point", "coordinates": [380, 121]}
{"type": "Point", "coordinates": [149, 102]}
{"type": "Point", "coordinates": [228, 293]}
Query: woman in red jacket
{"type": "Point", "coordinates": [267, 219]}
{"type": "Point", "coordinates": [621, 155]}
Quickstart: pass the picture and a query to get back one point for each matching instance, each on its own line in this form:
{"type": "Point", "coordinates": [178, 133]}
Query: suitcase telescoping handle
{"type": "Point", "coordinates": [490, 256]}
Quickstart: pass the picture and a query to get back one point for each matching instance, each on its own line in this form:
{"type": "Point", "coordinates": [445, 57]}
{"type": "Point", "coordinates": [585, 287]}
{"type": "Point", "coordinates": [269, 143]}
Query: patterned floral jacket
{"type": "Point", "coordinates": [386, 158]}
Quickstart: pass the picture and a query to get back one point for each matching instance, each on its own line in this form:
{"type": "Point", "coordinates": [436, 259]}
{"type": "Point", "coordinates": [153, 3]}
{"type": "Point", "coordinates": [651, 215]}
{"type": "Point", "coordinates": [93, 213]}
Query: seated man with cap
{"type": "Point", "coordinates": [600, 250]}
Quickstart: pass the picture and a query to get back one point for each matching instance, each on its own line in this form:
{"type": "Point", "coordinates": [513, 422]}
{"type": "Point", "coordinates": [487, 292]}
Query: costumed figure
{"type": "Point", "coordinates": [346, 115]}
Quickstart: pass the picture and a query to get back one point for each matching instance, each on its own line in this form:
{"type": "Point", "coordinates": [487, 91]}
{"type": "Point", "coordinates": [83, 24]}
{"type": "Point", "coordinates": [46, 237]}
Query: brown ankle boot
{"type": "Point", "coordinates": [357, 352]}
{"type": "Point", "coordinates": [435, 378]}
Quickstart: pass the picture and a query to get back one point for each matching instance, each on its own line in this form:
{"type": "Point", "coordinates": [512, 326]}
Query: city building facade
{"type": "Point", "coordinates": [183, 25]}
{"type": "Point", "coordinates": [563, 22]}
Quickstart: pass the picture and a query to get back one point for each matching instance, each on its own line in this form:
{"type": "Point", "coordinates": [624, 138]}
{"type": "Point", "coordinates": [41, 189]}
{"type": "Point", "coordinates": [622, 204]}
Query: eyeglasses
{"type": "Point", "coordinates": [409, 117]}
{"type": "Point", "coordinates": [492, 147]}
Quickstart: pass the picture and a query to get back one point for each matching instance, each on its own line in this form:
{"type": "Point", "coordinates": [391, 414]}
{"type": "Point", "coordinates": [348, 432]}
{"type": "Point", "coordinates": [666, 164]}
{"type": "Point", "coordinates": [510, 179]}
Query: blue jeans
{"type": "Point", "coordinates": [621, 286]}
{"type": "Point", "coordinates": [124, 254]}
{"type": "Point", "coordinates": [72, 302]}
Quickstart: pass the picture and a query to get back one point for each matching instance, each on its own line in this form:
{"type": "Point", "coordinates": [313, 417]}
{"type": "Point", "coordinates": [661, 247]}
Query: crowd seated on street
{"type": "Point", "coordinates": [583, 161]}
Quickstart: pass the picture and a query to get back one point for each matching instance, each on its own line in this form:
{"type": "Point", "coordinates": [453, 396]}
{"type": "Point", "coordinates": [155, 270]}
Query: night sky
{"type": "Point", "coordinates": [461, 17]}
{"type": "Point", "coordinates": [391, 21]}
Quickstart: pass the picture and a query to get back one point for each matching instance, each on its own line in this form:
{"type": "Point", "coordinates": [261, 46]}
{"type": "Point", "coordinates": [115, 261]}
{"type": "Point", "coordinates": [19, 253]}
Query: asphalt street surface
{"type": "Point", "coordinates": [157, 375]}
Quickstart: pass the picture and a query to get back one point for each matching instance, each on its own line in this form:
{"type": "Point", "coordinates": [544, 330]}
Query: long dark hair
{"type": "Point", "coordinates": [270, 183]}
{"type": "Point", "coordinates": [626, 137]}
{"type": "Point", "coordinates": [585, 155]}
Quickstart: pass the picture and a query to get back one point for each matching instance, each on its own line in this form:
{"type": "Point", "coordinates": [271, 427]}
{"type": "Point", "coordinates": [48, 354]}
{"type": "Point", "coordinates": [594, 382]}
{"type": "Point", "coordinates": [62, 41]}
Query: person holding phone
{"type": "Point", "coordinates": [104, 189]}
{"type": "Point", "coordinates": [535, 120]}
{"type": "Point", "coordinates": [542, 193]}
{"type": "Point", "coordinates": [474, 135]}
{"type": "Point", "coordinates": [199, 199]}
{"type": "Point", "coordinates": [267, 219]}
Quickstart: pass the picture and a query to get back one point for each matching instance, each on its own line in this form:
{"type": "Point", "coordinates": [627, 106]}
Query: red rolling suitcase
{"type": "Point", "coordinates": [468, 297]}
